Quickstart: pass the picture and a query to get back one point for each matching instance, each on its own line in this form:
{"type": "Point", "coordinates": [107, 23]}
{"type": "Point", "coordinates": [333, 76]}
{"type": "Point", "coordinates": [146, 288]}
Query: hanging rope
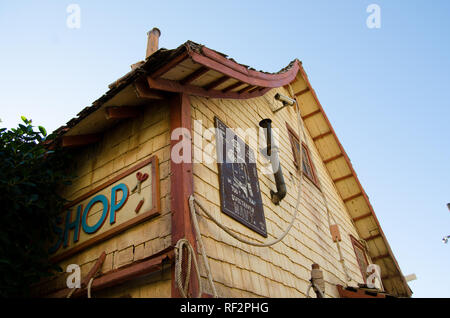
{"type": "Point", "coordinates": [89, 285]}
{"type": "Point", "coordinates": [201, 246]}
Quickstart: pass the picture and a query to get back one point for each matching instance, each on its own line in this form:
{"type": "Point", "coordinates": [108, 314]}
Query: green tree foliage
{"type": "Point", "coordinates": [30, 176]}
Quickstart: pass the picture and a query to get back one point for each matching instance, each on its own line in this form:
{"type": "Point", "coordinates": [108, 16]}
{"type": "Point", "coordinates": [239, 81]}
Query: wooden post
{"type": "Point", "coordinates": [181, 183]}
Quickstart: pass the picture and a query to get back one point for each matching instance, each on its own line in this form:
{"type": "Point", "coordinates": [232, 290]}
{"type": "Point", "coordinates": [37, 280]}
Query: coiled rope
{"type": "Point", "coordinates": [179, 247]}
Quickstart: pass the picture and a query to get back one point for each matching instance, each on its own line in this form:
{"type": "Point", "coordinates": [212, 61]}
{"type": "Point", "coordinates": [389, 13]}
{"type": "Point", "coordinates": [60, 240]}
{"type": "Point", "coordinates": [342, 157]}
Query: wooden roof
{"type": "Point", "coordinates": [197, 70]}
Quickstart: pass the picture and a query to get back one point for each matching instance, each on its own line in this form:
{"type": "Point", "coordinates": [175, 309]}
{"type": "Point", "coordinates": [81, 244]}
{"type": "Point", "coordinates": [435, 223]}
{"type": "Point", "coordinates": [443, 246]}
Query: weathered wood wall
{"type": "Point", "coordinates": [282, 270]}
{"type": "Point", "coordinates": [123, 146]}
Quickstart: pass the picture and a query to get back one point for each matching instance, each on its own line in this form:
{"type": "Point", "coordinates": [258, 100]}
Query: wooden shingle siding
{"type": "Point", "coordinates": [282, 270]}
{"type": "Point", "coordinates": [130, 142]}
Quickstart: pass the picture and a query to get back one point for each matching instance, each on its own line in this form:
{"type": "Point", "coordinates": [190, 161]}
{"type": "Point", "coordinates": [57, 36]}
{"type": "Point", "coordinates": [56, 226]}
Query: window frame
{"type": "Point", "coordinates": [292, 134]}
{"type": "Point", "coordinates": [357, 245]}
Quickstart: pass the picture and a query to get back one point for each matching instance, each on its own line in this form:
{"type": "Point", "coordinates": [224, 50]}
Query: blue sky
{"type": "Point", "coordinates": [386, 91]}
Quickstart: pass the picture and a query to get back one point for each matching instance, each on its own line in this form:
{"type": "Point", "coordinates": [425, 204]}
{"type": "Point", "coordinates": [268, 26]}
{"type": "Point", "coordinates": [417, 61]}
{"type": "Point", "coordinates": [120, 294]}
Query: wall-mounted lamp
{"type": "Point", "coordinates": [287, 101]}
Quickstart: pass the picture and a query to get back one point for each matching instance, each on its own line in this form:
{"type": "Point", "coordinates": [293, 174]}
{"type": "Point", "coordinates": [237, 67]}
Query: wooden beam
{"type": "Point", "coordinates": [322, 135]}
{"type": "Point", "coordinates": [343, 177]}
{"type": "Point", "coordinates": [351, 292]}
{"type": "Point", "coordinates": [333, 158]}
{"type": "Point", "coordinates": [194, 75]}
{"type": "Point", "coordinates": [306, 90]}
{"type": "Point", "coordinates": [243, 90]}
{"type": "Point", "coordinates": [80, 140]}
{"type": "Point", "coordinates": [94, 270]}
{"type": "Point", "coordinates": [353, 197]}
{"type": "Point", "coordinates": [277, 80]}
{"type": "Point", "coordinates": [390, 276]}
{"type": "Point", "coordinates": [364, 216]}
{"type": "Point", "coordinates": [143, 91]}
{"type": "Point", "coordinates": [168, 66]}
{"type": "Point", "coordinates": [117, 276]}
{"type": "Point", "coordinates": [176, 87]}
{"type": "Point", "coordinates": [130, 272]}
{"type": "Point", "coordinates": [254, 89]}
{"type": "Point", "coordinates": [318, 111]}
{"type": "Point", "coordinates": [232, 69]}
{"type": "Point", "coordinates": [232, 86]}
{"type": "Point", "coordinates": [372, 237]}
{"type": "Point", "coordinates": [122, 112]}
{"type": "Point", "coordinates": [216, 83]}
{"type": "Point", "coordinates": [380, 257]}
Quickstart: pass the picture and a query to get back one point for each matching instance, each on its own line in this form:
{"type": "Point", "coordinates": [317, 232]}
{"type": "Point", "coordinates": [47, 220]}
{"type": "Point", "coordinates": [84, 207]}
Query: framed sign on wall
{"type": "Point", "coordinates": [124, 201]}
{"type": "Point", "coordinates": [240, 195]}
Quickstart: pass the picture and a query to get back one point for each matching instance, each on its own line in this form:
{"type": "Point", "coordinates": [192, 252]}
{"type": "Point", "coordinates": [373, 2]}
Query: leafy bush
{"type": "Point", "coordinates": [30, 176]}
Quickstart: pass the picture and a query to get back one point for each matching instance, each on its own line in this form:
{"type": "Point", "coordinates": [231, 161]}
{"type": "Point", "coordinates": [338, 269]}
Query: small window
{"type": "Point", "coordinates": [360, 256]}
{"type": "Point", "coordinates": [307, 165]}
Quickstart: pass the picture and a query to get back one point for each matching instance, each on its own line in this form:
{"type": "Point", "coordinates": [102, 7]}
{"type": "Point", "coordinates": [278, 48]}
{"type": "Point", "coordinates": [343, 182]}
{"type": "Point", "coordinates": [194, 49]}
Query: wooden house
{"type": "Point", "coordinates": [149, 144]}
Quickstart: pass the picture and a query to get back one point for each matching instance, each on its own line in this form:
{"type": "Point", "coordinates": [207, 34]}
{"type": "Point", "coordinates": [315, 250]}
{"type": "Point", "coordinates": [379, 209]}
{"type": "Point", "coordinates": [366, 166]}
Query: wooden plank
{"type": "Point", "coordinates": [94, 270]}
{"type": "Point", "coordinates": [306, 90]}
{"type": "Point", "coordinates": [322, 135]}
{"type": "Point", "coordinates": [134, 270]}
{"type": "Point", "coordinates": [375, 258]}
{"type": "Point", "coordinates": [318, 111]}
{"type": "Point", "coordinates": [122, 112]}
{"type": "Point", "coordinates": [80, 140]}
{"type": "Point", "coordinates": [357, 293]}
{"type": "Point", "coordinates": [168, 66]}
{"type": "Point", "coordinates": [216, 83]}
{"type": "Point", "coordinates": [361, 217]}
{"type": "Point", "coordinates": [232, 86]}
{"type": "Point", "coordinates": [343, 177]}
{"type": "Point", "coordinates": [352, 197]}
{"type": "Point", "coordinates": [333, 158]}
{"type": "Point", "coordinates": [245, 89]}
{"type": "Point", "coordinates": [372, 237]}
{"type": "Point", "coordinates": [254, 89]}
{"type": "Point", "coordinates": [194, 75]}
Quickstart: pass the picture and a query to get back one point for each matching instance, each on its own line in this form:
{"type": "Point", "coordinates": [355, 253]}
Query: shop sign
{"type": "Point", "coordinates": [111, 208]}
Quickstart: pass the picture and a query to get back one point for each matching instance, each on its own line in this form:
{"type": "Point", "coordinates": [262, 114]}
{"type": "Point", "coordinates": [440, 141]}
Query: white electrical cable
{"type": "Point", "coordinates": [316, 289]}
{"type": "Point", "coordinates": [341, 257]}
